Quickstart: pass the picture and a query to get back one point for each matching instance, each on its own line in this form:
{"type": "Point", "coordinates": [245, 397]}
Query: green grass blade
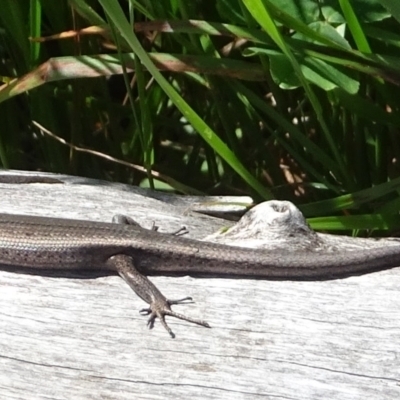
{"type": "Point", "coordinates": [116, 14]}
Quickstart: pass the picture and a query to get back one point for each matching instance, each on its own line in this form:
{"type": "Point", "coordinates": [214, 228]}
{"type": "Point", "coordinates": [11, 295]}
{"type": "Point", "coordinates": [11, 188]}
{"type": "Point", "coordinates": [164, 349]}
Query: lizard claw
{"type": "Point", "coordinates": [157, 310]}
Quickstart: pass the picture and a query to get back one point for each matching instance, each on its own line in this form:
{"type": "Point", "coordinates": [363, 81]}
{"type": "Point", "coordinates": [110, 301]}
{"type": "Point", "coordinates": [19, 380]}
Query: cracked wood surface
{"type": "Point", "coordinates": [83, 338]}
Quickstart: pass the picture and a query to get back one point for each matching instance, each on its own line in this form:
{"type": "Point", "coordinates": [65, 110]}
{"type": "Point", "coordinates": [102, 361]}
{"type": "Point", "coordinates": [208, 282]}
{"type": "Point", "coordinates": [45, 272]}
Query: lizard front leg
{"type": "Point", "coordinates": [160, 306]}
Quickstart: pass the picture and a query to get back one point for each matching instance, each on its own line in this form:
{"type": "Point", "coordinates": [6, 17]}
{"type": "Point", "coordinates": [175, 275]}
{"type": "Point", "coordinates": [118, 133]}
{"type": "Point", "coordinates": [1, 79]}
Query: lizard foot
{"type": "Point", "coordinates": [161, 309]}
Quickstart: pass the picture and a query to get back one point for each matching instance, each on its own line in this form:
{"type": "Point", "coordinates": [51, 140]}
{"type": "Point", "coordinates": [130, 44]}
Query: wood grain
{"type": "Point", "coordinates": [83, 338]}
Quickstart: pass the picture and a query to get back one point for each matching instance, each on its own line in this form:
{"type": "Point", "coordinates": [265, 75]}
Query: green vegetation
{"type": "Point", "coordinates": [284, 99]}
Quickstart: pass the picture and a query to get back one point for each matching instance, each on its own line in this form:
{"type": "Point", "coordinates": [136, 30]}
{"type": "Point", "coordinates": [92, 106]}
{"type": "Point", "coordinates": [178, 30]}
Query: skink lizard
{"type": "Point", "coordinates": [43, 243]}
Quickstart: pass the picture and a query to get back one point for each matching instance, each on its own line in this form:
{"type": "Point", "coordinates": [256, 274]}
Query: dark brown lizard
{"type": "Point", "coordinates": [50, 243]}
